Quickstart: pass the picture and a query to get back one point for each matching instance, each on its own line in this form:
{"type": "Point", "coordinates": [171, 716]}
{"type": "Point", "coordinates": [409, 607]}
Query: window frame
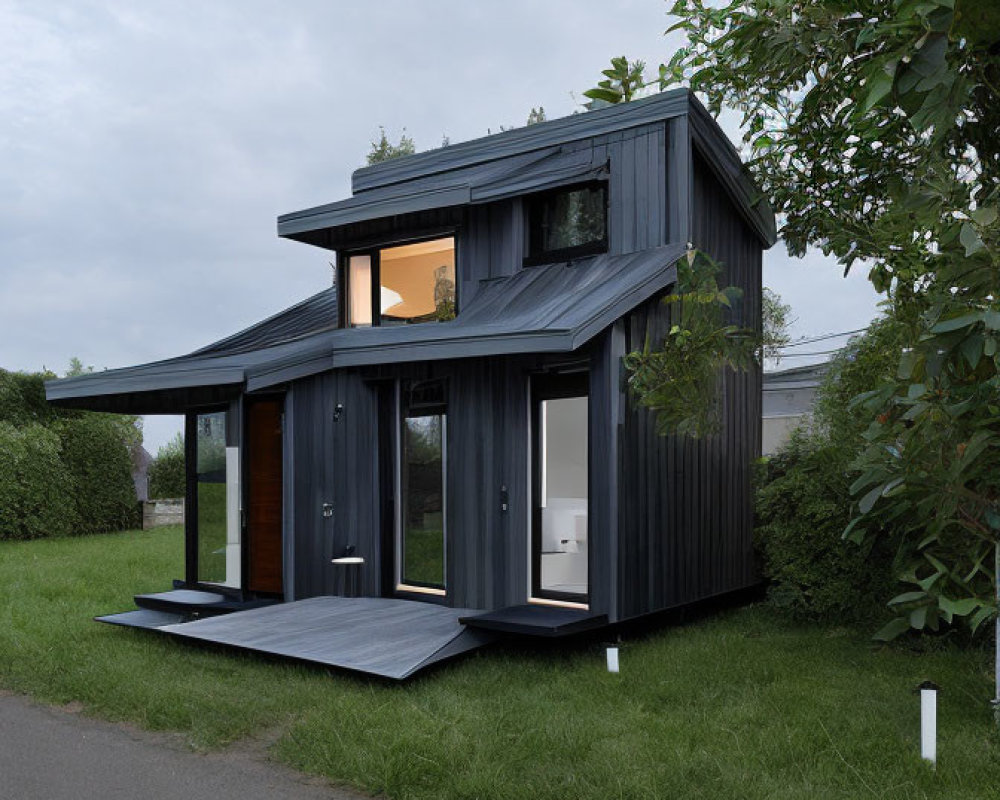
{"type": "Point", "coordinates": [553, 386]}
{"type": "Point", "coordinates": [532, 224]}
{"type": "Point", "coordinates": [400, 408]}
{"type": "Point", "coordinates": [374, 252]}
{"type": "Point", "coordinates": [192, 566]}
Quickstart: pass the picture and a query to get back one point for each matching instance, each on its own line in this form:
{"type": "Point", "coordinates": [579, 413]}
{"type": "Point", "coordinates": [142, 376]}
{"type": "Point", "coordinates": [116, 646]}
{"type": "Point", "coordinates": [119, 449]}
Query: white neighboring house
{"type": "Point", "coordinates": [788, 403]}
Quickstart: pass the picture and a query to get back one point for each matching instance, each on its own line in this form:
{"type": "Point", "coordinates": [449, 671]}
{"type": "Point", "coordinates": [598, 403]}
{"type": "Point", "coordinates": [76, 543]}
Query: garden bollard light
{"type": "Point", "coordinates": [928, 721]}
{"type": "Point", "coordinates": [612, 659]}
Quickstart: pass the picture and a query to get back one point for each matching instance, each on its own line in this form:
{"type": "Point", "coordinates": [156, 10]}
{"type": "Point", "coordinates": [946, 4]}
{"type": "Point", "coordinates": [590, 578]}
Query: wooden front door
{"type": "Point", "coordinates": [263, 495]}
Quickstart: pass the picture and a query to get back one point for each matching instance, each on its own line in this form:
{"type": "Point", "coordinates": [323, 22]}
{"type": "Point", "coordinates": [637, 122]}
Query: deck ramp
{"type": "Point", "coordinates": [378, 636]}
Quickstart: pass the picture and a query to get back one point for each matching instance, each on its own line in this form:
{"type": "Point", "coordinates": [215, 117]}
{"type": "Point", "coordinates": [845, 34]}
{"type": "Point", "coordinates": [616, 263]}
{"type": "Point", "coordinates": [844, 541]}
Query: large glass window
{"type": "Point", "coordinates": [560, 530]}
{"type": "Point", "coordinates": [567, 222]}
{"type": "Point", "coordinates": [216, 485]}
{"type": "Point", "coordinates": [412, 283]}
{"type": "Point", "coordinates": [422, 470]}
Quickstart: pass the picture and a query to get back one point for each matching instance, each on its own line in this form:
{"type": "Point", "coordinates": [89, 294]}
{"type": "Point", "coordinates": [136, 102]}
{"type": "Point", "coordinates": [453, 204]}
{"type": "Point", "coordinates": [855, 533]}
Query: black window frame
{"type": "Point", "coordinates": [373, 251]}
{"type": "Point", "coordinates": [534, 204]}
{"type": "Point", "coordinates": [403, 388]}
{"type": "Point", "coordinates": [554, 386]}
{"type": "Point", "coordinates": [191, 529]}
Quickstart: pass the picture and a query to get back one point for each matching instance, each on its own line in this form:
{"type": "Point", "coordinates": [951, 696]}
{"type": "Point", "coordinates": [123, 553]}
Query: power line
{"type": "Point", "coordinates": [806, 355]}
{"type": "Point", "coordinates": [821, 338]}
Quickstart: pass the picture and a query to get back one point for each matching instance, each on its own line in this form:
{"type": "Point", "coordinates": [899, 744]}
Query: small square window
{"type": "Point", "coordinates": [401, 285]}
{"type": "Point", "coordinates": [567, 223]}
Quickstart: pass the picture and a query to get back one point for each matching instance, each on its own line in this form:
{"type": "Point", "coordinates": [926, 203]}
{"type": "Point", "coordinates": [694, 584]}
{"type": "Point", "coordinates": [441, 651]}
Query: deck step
{"type": "Point", "coordinates": [537, 620]}
{"type": "Point", "coordinates": [189, 602]}
{"type": "Point", "coordinates": [142, 618]}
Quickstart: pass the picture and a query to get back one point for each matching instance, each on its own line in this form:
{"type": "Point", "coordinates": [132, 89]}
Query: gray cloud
{"type": "Point", "coordinates": [146, 149]}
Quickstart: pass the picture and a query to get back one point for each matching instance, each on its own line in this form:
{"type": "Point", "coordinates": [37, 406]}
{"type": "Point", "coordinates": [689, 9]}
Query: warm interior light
{"type": "Point", "coordinates": [359, 285]}
{"type": "Point", "coordinates": [419, 279]}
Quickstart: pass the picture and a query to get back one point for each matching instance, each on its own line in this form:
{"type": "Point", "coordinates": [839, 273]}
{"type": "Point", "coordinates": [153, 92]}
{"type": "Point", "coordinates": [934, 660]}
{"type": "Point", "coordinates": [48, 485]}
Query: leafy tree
{"type": "Point", "coordinates": [776, 316]}
{"type": "Point", "coordinates": [873, 130]}
{"type": "Point", "coordinates": [76, 367]}
{"type": "Point", "coordinates": [874, 135]}
{"type": "Point", "coordinates": [384, 150]}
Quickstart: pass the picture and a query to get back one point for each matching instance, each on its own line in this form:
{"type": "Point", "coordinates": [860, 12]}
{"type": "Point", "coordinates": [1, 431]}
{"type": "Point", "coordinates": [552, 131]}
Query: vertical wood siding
{"type": "Point", "coordinates": [492, 238]}
{"type": "Point", "coordinates": [686, 509]}
{"type": "Point", "coordinates": [488, 449]}
{"type": "Point", "coordinates": [670, 519]}
{"type": "Point", "coordinates": [335, 463]}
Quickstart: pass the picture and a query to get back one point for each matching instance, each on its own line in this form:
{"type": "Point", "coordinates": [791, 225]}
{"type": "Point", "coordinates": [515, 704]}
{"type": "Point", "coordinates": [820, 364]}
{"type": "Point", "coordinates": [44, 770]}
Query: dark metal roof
{"type": "Point", "coordinates": [550, 308]}
{"type": "Point", "coordinates": [532, 158]}
{"type": "Point", "coordinates": [553, 166]}
{"type": "Point", "coordinates": [312, 315]}
{"type": "Point", "coordinates": [664, 105]}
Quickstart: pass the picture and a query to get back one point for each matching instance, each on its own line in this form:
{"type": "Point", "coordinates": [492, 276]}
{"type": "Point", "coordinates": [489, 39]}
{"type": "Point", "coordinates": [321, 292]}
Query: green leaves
{"type": "Point", "coordinates": [873, 135]}
{"type": "Point", "coordinates": [679, 377]}
{"type": "Point", "coordinates": [621, 81]}
{"type": "Point", "coordinates": [877, 84]}
{"type": "Point", "coordinates": [970, 240]}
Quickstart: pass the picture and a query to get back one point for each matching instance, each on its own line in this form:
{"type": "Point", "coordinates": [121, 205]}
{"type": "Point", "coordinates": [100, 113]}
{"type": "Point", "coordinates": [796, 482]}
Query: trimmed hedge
{"type": "Point", "coordinates": [96, 452]}
{"type": "Point", "coordinates": [167, 477]}
{"type": "Point", "coordinates": [34, 483]}
{"type": "Point", "coordinates": [62, 471]}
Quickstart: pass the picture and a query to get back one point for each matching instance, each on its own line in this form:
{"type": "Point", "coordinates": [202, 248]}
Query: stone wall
{"type": "Point", "coordinates": [162, 512]}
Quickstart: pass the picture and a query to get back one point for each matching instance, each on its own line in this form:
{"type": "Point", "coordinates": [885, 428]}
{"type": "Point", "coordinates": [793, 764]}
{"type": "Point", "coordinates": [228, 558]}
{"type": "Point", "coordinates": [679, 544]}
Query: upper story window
{"type": "Point", "coordinates": [566, 223]}
{"type": "Point", "coordinates": [401, 285]}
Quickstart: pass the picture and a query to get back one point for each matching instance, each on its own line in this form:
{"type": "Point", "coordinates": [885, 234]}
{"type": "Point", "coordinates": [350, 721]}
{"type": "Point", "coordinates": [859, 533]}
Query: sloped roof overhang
{"type": "Point", "coordinates": [551, 308]}
{"type": "Point", "coordinates": [536, 157]}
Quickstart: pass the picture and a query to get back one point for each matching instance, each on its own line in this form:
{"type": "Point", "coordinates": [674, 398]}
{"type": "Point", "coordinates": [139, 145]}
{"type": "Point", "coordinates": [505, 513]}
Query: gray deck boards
{"type": "Point", "coordinates": [143, 618]}
{"type": "Point", "coordinates": [379, 636]}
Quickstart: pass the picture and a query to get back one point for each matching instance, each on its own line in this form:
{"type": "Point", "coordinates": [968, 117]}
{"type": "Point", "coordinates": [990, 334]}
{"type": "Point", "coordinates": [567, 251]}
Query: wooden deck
{"type": "Point", "coordinates": [142, 618]}
{"type": "Point", "coordinates": [378, 636]}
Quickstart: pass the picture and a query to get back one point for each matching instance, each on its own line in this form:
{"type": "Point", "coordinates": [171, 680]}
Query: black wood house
{"type": "Point", "coordinates": [444, 440]}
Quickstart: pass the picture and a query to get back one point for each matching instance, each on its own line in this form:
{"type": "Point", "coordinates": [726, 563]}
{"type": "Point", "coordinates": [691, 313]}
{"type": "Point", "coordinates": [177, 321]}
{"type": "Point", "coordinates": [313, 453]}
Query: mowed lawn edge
{"type": "Point", "coordinates": [742, 704]}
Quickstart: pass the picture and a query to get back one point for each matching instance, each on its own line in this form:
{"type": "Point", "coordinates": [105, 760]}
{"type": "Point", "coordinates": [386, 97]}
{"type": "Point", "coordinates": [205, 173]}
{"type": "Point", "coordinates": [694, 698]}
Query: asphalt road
{"type": "Point", "coordinates": [55, 754]}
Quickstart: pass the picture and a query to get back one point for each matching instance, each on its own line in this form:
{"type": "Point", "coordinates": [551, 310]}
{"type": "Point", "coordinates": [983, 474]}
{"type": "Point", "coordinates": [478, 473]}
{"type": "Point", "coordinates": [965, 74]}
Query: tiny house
{"type": "Point", "coordinates": [449, 425]}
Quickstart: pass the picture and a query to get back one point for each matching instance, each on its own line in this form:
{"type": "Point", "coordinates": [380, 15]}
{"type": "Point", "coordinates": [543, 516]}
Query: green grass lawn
{"type": "Point", "coordinates": [738, 706]}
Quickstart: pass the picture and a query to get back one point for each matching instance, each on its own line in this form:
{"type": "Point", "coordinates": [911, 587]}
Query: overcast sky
{"type": "Point", "coordinates": [146, 149]}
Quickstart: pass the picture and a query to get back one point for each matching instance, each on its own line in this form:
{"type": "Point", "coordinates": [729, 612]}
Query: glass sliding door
{"type": "Point", "coordinates": [560, 496]}
{"type": "Point", "coordinates": [216, 478]}
{"type": "Point", "coordinates": [421, 525]}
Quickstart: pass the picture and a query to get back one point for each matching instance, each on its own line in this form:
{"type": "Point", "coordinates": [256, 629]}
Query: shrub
{"type": "Point", "coordinates": [803, 499]}
{"type": "Point", "coordinates": [166, 473]}
{"type": "Point", "coordinates": [96, 449]}
{"type": "Point", "coordinates": [62, 471]}
{"type": "Point", "coordinates": [34, 483]}
{"type": "Point", "coordinates": [803, 507]}
{"type": "Point", "coordinates": [22, 398]}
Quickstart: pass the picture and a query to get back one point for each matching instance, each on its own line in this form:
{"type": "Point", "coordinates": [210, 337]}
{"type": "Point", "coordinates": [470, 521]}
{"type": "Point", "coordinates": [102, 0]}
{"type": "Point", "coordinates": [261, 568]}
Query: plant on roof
{"type": "Point", "coordinates": [384, 150]}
